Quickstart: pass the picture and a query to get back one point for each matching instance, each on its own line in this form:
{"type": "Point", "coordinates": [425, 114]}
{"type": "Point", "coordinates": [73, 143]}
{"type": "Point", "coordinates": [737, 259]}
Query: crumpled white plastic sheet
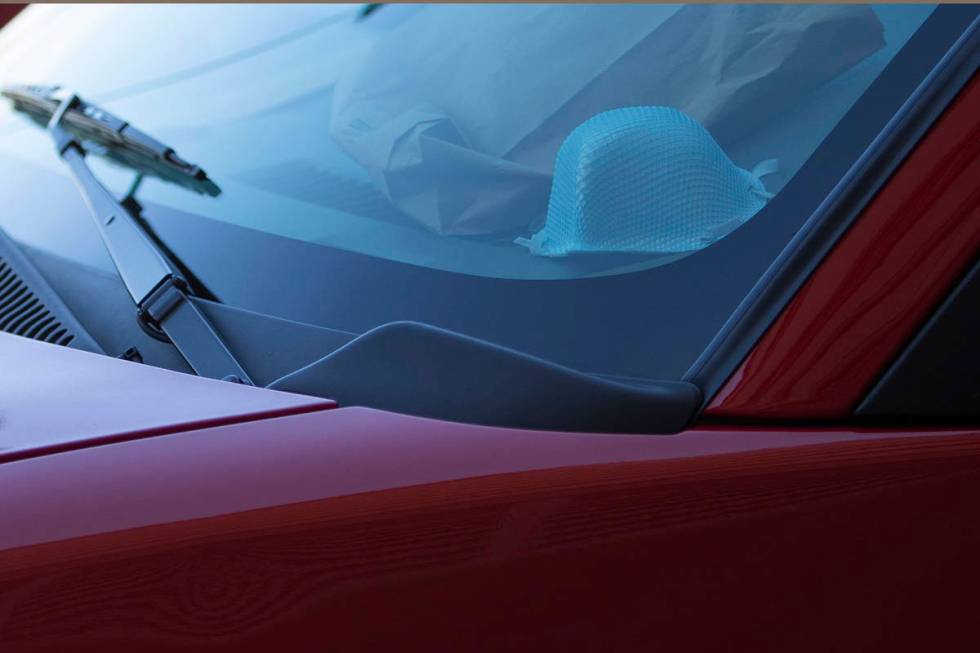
{"type": "Point", "coordinates": [458, 114]}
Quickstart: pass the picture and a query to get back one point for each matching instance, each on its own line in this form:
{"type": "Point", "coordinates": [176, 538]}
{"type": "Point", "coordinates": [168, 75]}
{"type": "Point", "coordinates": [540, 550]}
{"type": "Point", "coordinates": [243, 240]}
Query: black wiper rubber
{"type": "Point", "coordinates": [161, 294]}
{"type": "Point", "coordinates": [369, 8]}
{"type": "Point", "coordinates": [423, 370]}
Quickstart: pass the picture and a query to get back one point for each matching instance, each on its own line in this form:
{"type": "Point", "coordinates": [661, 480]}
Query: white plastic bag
{"type": "Point", "coordinates": [459, 112]}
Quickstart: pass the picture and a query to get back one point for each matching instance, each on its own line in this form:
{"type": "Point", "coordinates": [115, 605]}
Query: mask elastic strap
{"type": "Point", "coordinates": [761, 169]}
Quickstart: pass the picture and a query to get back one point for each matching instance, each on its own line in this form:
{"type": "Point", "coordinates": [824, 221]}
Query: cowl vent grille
{"type": "Point", "coordinates": [22, 313]}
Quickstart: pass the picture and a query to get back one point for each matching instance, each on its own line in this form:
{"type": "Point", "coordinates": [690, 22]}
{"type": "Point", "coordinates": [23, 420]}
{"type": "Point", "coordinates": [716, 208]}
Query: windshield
{"type": "Point", "coordinates": [505, 157]}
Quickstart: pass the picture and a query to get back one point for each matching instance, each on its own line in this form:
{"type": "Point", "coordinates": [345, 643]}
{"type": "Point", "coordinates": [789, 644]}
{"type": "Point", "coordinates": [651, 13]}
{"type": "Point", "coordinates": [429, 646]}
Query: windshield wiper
{"type": "Point", "coordinates": [369, 8]}
{"type": "Point", "coordinates": [115, 138]}
{"type": "Point", "coordinates": [161, 294]}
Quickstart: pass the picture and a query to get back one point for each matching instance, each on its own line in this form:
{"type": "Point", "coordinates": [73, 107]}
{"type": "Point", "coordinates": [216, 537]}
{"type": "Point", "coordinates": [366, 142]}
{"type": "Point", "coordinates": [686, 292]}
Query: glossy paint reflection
{"type": "Point", "coordinates": [352, 529]}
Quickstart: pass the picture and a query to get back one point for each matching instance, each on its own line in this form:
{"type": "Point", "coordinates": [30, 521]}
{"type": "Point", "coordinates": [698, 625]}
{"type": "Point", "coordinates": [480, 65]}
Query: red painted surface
{"type": "Point", "coordinates": [54, 399]}
{"type": "Point", "coordinates": [8, 11]}
{"type": "Point", "coordinates": [309, 457]}
{"type": "Point", "coordinates": [877, 285]}
{"type": "Point", "coordinates": [353, 529]}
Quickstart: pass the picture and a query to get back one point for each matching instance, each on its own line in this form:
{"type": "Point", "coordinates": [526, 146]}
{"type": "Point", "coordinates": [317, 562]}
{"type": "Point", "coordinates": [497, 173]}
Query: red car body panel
{"type": "Point", "coordinates": [55, 399]}
{"type": "Point", "coordinates": [348, 451]}
{"type": "Point", "coordinates": [875, 288]}
{"type": "Point", "coordinates": [354, 554]}
{"type": "Point", "coordinates": [356, 529]}
{"type": "Point", "coordinates": [8, 11]}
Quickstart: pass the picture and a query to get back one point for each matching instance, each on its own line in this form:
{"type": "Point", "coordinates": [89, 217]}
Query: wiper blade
{"type": "Point", "coordinates": [161, 294]}
{"type": "Point", "coordinates": [118, 140]}
{"type": "Point", "coordinates": [369, 8]}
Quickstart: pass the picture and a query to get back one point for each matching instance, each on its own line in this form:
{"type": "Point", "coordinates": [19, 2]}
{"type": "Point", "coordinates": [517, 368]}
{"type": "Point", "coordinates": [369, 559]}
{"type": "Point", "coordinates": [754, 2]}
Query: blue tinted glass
{"type": "Point", "coordinates": [428, 135]}
{"type": "Point", "coordinates": [592, 185]}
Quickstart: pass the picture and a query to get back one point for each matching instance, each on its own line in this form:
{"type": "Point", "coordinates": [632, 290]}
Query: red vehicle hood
{"type": "Point", "coordinates": [53, 398]}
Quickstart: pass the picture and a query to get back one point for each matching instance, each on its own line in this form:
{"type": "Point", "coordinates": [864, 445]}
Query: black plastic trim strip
{"type": "Point", "coordinates": [419, 369]}
{"type": "Point", "coordinates": [937, 375]}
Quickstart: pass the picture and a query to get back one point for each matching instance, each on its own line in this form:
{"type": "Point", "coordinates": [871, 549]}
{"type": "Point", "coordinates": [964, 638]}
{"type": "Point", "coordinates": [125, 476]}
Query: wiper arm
{"type": "Point", "coordinates": [160, 293]}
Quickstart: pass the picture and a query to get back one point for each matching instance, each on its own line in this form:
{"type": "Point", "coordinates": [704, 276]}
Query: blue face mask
{"type": "Point", "coordinates": [645, 180]}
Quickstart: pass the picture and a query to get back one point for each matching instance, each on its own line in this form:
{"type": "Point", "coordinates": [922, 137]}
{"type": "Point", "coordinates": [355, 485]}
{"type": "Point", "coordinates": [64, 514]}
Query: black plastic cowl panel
{"type": "Point", "coordinates": [422, 370]}
{"type": "Point", "coordinates": [30, 308]}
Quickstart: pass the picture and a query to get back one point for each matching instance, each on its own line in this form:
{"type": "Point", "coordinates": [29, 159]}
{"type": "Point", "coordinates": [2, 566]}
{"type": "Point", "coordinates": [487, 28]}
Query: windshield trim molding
{"type": "Point", "coordinates": [834, 215]}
